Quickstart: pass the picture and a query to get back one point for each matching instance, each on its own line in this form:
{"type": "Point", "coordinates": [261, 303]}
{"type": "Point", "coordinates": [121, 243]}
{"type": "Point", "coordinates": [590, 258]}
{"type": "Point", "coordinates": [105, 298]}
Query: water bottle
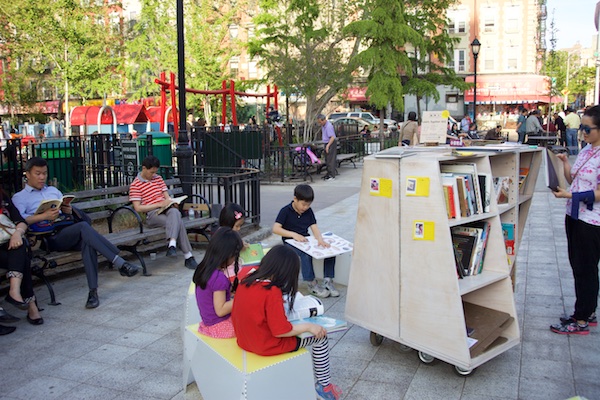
{"type": "Point", "coordinates": [191, 213]}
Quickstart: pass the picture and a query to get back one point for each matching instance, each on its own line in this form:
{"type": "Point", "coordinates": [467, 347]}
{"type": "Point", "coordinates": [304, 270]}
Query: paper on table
{"type": "Point", "coordinates": [311, 247]}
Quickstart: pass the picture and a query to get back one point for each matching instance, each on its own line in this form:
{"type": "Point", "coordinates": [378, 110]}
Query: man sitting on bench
{"type": "Point", "coordinates": [77, 236]}
{"type": "Point", "coordinates": [148, 193]}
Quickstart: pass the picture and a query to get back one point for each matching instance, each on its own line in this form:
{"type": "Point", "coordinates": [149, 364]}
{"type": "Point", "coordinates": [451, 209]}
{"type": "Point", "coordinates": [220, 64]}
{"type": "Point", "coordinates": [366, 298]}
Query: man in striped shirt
{"type": "Point", "coordinates": [148, 193]}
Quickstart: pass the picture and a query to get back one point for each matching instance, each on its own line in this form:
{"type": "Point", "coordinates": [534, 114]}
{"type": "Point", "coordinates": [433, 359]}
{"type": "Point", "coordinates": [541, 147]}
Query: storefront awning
{"type": "Point", "coordinates": [356, 94]}
{"type": "Point", "coordinates": [509, 89]}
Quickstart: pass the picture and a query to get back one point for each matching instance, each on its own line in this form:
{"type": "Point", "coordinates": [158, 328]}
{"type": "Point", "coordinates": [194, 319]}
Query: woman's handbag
{"type": "Point", "coordinates": [7, 228]}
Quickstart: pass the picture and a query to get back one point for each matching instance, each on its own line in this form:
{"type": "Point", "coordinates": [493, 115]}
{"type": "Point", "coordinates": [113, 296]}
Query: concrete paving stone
{"type": "Point", "coordinates": [537, 300]}
{"type": "Point", "coordinates": [137, 339]}
{"type": "Point", "coordinates": [158, 385]}
{"type": "Point", "coordinates": [78, 370]}
{"type": "Point", "coordinates": [485, 382]}
{"type": "Point", "coordinates": [110, 353]}
{"type": "Point", "coordinates": [536, 368]}
{"type": "Point", "coordinates": [74, 347]}
{"type": "Point", "coordinates": [388, 372]}
{"type": "Point", "coordinates": [125, 395]}
{"type": "Point", "coordinates": [535, 323]}
{"type": "Point", "coordinates": [506, 364]}
{"type": "Point", "coordinates": [43, 388]}
{"type": "Point", "coordinates": [175, 366]}
{"type": "Point", "coordinates": [39, 363]}
{"type": "Point", "coordinates": [539, 288]}
{"type": "Point", "coordinates": [376, 390]}
{"type": "Point", "coordinates": [545, 388]}
{"type": "Point", "coordinates": [588, 390]}
{"type": "Point", "coordinates": [393, 352]}
{"type": "Point", "coordinates": [171, 343]}
{"type": "Point", "coordinates": [545, 351]}
{"type": "Point", "coordinates": [160, 325]}
{"type": "Point", "coordinates": [104, 334]}
{"type": "Point", "coordinates": [13, 377]}
{"type": "Point", "coordinates": [447, 385]}
{"type": "Point", "coordinates": [125, 321]}
{"type": "Point", "coordinates": [540, 310]}
{"type": "Point", "coordinates": [354, 350]}
{"type": "Point", "coordinates": [119, 377]}
{"type": "Point", "coordinates": [147, 359]}
{"type": "Point", "coordinates": [90, 392]}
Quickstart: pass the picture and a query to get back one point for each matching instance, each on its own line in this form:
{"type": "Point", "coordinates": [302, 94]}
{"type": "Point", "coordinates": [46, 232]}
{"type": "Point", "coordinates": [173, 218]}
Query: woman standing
{"type": "Point", "coordinates": [582, 224]}
{"type": "Point", "coordinates": [409, 134]}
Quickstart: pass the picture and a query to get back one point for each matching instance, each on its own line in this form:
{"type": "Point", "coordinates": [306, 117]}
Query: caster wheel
{"type": "Point", "coordinates": [426, 358]}
{"type": "Point", "coordinates": [405, 348]}
{"type": "Point", "coordinates": [463, 372]}
{"type": "Point", "coordinates": [376, 339]}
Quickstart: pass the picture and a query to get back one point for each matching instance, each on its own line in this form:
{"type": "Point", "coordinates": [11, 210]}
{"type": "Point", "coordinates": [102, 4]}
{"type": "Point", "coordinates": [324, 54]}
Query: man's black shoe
{"type": "Point", "coordinates": [92, 301]}
{"type": "Point", "coordinates": [6, 317]}
{"type": "Point", "coordinates": [191, 263]}
{"type": "Point", "coordinates": [128, 269]}
{"type": "Point", "coordinates": [5, 330]}
{"type": "Point", "coordinates": [171, 251]}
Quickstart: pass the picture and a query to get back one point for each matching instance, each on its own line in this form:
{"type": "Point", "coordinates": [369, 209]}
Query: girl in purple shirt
{"type": "Point", "coordinates": [213, 288]}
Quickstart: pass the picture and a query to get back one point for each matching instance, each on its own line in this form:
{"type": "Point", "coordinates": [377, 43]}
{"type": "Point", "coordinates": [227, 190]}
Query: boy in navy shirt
{"type": "Point", "coordinates": [293, 222]}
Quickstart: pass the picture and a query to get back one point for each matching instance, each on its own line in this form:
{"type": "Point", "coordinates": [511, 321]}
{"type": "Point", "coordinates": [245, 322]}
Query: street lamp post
{"type": "Point", "coordinates": [183, 152]}
{"type": "Point", "coordinates": [475, 47]}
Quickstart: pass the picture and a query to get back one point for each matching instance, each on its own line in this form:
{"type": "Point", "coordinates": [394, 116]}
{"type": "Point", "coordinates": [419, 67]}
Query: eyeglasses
{"type": "Point", "coordinates": [587, 129]}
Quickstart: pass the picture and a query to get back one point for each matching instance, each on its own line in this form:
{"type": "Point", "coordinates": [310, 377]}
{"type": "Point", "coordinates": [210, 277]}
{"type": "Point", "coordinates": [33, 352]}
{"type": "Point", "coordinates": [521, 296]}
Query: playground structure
{"type": "Point", "coordinates": [225, 92]}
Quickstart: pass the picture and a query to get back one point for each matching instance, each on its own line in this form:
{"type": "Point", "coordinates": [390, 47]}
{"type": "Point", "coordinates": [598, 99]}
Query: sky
{"type": "Point", "coordinates": [574, 20]}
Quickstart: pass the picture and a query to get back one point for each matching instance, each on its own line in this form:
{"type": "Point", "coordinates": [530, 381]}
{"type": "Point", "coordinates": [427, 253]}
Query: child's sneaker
{"type": "Point", "coordinates": [592, 320]}
{"type": "Point", "coordinates": [329, 392]}
{"type": "Point", "coordinates": [317, 290]}
{"type": "Point", "coordinates": [572, 328]}
{"type": "Point", "coordinates": [328, 284]}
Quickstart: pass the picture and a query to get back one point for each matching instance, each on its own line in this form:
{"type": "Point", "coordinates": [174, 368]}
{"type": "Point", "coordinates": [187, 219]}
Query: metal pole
{"type": "Point", "coordinates": [475, 90]}
{"type": "Point", "coordinates": [183, 152]}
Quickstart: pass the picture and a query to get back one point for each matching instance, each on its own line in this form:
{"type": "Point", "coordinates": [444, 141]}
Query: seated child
{"type": "Point", "coordinates": [260, 322]}
{"type": "Point", "coordinates": [293, 222]}
{"type": "Point", "coordinates": [232, 216]}
{"type": "Point", "coordinates": [213, 289]}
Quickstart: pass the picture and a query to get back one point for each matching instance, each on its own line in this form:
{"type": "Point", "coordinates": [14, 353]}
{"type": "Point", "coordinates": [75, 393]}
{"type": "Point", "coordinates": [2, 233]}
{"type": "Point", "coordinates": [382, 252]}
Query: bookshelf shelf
{"type": "Point", "coordinates": [407, 234]}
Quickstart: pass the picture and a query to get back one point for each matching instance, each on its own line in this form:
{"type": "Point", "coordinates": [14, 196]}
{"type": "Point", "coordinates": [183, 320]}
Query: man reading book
{"type": "Point", "coordinates": [148, 193]}
{"type": "Point", "coordinates": [79, 235]}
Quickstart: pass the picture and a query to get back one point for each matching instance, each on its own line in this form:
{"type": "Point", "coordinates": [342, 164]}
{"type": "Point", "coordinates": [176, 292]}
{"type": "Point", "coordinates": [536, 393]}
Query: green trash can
{"type": "Point", "coordinates": [62, 157]}
{"type": "Point", "coordinates": [161, 149]}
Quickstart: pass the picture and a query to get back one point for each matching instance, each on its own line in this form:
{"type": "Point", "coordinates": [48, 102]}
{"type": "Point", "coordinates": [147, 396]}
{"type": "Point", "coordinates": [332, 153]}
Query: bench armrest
{"type": "Point", "coordinates": [125, 208]}
{"type": "Point", "coordinates": [197, 199]}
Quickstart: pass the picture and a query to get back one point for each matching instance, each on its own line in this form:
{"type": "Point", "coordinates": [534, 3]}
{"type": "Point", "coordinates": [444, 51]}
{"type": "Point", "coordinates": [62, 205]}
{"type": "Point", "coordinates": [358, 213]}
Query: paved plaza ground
{"type": "Point", "coordinates": [131, 347]}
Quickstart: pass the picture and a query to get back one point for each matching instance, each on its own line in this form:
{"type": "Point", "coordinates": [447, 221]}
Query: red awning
{"type": "Point", "coordinates": [130, 113]}
{"type": "Point", "coordinates": [88, 115]}
{"type": "Point", "coordinates": [509, 89]}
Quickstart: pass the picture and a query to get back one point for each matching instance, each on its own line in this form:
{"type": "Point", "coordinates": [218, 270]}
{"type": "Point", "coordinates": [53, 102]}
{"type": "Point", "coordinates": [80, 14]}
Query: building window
{"type": "Point", "coordinates": [513, 19]}
{"type": "Point", "coordinates": [489, 19]}
{"type": "Point", "coordinates": [457, 63]}
{"type": "Point", "coordinates": [252, 69]}
{"type": "Point", "coordinates": [512, 58]}
{"type": "Point", "coordinates": [457, 21]}
{"type": "Point", "coordinates": [234, 65]}
{"type": "Point", "coordinates": [233, 31]}
{"type": "Point", "coordinates": [251, 31]}
{"type": "Point", "coordinates": [488, 59]}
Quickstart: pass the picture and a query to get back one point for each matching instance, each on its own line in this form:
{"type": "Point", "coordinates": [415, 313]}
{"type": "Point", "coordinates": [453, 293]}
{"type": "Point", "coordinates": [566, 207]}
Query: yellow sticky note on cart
{"type": "Point", "coordinates": [380, 187]}
{"type": "Point", "coordinates": [417, 186]}
{"type": "Point", "coordinates": [423, 230]}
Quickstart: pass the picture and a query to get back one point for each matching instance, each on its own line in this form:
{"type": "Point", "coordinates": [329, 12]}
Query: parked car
{"type": "Point", "coordinates": [352, 126]}
{"type": "Point", "coordinates": [366, 116]}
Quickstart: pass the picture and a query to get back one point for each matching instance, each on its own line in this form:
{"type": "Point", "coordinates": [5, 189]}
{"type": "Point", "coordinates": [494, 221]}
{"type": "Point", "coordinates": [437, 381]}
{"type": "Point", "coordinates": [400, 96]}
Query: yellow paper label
{"type": "Point", "coordinates": [380, 187]}
{"type": "Point", "coordinates": [417, 186]}
{"type": "Point", "coordinates": [423, 230]}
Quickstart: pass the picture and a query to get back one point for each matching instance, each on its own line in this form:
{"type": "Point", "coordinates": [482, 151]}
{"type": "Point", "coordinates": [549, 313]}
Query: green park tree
{"type": "Point", "coordinates": [385, 32]}
{"type": "Point", "coordinates": [302, 46]}
{"type": "Point", "coordinates": [63, 43]}
{"type": "Point", "coordinates": [430, 55]}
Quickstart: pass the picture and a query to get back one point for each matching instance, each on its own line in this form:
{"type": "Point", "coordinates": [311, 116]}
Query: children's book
{"type": "Point", "coordinates": [46, 205]}
{"type": "Point", "coordinates": [502, 189]}
{"type": "Point", "coordinates": [251, 255]}
{"type": "Point", "coordinates": [508, 230]}
{"type": "Point", "coordinates": [174, 201]}
{"type": "Point", "coordinates": [331, 325]}
{"type": "Point", "coordinates": [337, 246]}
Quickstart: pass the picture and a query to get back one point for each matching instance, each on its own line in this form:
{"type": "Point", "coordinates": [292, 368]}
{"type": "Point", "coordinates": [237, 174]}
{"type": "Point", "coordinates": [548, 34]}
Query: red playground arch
{"type": "Point", "coordinates": [171, 87]}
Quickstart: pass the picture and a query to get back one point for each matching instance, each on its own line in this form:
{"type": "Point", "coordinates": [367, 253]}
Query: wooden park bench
{"type": "Point", "coordinates": [113, 216]}
{"type": "Point", "coordinates": [339, 159]}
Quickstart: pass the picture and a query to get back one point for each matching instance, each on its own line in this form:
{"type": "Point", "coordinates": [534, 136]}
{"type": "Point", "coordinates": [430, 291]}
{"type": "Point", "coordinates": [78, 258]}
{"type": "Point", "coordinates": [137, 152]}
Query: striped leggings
{"type": "Point", "coordinates": [320, 357]}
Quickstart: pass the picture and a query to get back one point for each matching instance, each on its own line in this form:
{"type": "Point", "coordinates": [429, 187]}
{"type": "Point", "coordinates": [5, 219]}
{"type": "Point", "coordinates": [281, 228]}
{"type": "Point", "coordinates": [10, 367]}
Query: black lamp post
{"type": "Point", "coordinates": [475, 47]}
{"type": "Point", "coordinates": [183, 152]}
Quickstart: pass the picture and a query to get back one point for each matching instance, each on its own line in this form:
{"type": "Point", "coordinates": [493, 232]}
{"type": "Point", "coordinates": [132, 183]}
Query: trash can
{"type": "Point", "coordinates": [63, 159]}
{"type": "Point", "coordinates": [160, 147]}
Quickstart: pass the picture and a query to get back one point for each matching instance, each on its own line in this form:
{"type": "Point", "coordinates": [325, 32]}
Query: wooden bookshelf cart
{"type": "Point", "coordinates": [404, 286]}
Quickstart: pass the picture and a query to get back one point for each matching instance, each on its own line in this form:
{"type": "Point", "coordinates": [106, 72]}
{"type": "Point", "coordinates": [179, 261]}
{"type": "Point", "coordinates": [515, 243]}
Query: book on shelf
{"type": "Point", "coordinates": [46, 205]}
{"type": "Point", "coordinates": [462, 196]}
{"type": "Point", "coordinates": [485, 186]}
{"type": "Point", "coordinates": [469, 172]}
{"type": "Point", "coordinates": [554, 171]}
{"type": "Point", "coordinates": [523, 173]}
{"type": "Point", "coordinates": [451, 194]}
{"type": "Point", "coordinates": [508, 231]}
{"type": "Point", "coordinates": [464, 248]}
{"type": "Point", "coordinates": [174, 201]}
{"type": "Point", "coordinates": [502, 189]}
{"type": "Point", "coordinates": [337, 246]}
{"type": "Point", "coordinates": [479, 231]}
{"type": "Point", "coordinates": [310, 309]}
{"type": "Point", "coordinates": [485, 234]}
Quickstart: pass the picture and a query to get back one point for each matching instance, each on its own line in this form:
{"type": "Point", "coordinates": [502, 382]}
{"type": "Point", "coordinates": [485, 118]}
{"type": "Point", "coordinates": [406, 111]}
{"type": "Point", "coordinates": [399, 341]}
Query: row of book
{"type": "Point", "coordinates": [469, 243]}
{"type": "Point", "coordinates": [466, 191]}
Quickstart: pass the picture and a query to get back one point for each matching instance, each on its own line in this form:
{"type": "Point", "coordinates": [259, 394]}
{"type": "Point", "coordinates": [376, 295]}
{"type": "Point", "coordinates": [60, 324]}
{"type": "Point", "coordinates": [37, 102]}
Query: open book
{"type": "Point", "coordinates": [554, 172]}
{"type": "Point", "coordinates": [174, 201]}
{"type": "Point", "coordinates": [331, 325]}
{"type": "Point", "coordinates": [337, 246]}
{"type": "Point", "coordinates": [46, 205]}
